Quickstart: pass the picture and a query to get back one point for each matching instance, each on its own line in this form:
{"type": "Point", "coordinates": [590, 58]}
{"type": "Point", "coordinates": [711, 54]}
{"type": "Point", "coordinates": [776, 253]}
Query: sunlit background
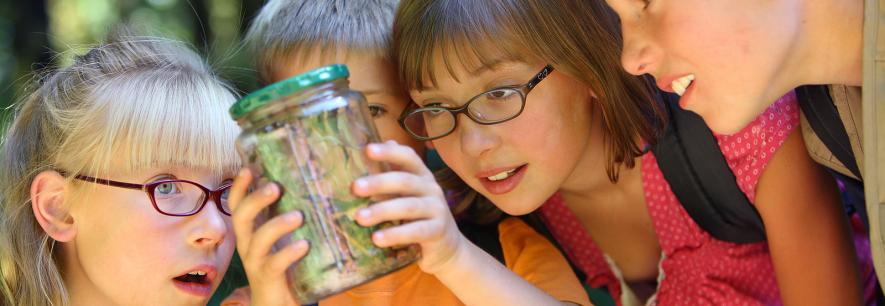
{"type": "Point", "coordinates": [41, 33]}
{"type": "Point", "coordinates": [37, 33]}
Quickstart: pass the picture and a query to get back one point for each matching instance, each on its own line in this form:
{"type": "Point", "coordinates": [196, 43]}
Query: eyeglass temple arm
{"type": "Point", "coordinates": [539, 77]}
{"type": "Point", "coordinates": [109, 182]}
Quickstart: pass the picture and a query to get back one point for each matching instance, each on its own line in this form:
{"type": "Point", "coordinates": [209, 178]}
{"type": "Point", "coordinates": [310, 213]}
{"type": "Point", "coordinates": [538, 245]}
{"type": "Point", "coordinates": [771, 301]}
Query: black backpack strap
{"type": "Point", "coordinates": [823, 117]}
{"type": "Point", "coordinates": [692, 163]}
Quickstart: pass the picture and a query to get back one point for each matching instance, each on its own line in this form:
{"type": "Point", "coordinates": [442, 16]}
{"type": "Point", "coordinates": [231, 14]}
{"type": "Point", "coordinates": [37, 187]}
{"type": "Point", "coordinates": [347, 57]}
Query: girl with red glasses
{"type": "Point", "coordinates": [115, 174]}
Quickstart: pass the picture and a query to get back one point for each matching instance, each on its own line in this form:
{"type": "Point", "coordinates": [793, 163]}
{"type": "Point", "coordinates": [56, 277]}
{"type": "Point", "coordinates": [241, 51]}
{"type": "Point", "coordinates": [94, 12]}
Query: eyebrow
{"type": "Point", "coordinates": [494, 64]}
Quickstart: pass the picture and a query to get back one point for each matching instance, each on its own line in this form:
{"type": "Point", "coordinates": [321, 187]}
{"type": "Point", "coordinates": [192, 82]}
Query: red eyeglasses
{"type": "Point", "coordinates": [178, 198]}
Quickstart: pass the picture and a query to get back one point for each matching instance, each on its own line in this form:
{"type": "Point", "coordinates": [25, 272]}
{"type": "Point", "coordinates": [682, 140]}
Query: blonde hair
{"type": "Point", "coordinates": [578, 37]}
{"type": "Point", "coordinates": [286, 27]}
{"type": "Point", "coordinates": [148, 101]}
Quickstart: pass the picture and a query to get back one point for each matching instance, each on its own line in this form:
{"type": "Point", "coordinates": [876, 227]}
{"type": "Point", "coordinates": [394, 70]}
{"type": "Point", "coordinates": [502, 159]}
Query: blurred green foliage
{"type": "Point", "coordinates": [41, 33]}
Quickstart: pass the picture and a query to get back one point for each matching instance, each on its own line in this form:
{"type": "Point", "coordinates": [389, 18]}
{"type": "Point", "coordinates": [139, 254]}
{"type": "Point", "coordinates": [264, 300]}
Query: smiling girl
{"type": "Point", "coordinates": [525, 100]}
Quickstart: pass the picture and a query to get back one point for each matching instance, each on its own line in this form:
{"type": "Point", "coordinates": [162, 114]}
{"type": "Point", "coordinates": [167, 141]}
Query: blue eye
{"type": "Point", "coordinates": [225, 194]}
{"type": "Point", "coordinates": [168, 188]}
{"type": "Point", "coordinates": [226, 191]}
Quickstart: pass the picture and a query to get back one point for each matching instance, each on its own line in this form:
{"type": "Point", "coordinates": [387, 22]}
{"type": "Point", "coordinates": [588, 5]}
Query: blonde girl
{"type": "Point", "coordinates": [115, 173]}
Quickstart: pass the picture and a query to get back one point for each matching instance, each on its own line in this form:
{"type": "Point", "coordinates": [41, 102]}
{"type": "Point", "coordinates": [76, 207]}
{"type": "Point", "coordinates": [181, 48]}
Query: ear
{"type": "Point", "coordinates": [592, 93]}
{"type": "Point", "coordinates": [50, 208]}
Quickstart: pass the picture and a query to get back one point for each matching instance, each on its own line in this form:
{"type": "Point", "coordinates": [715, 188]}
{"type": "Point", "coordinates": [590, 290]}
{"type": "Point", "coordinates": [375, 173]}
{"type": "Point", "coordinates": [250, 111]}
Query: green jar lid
{"type": "Point", "coordinates": [286, 87]}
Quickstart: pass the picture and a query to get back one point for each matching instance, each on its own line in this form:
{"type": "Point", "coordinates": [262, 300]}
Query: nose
{"type": "Point", "coordinates": [638, 56]}
{"type": "Point", "coordinates": [211, 227]}
{"type": "Point", "coordinates": [477, 139]}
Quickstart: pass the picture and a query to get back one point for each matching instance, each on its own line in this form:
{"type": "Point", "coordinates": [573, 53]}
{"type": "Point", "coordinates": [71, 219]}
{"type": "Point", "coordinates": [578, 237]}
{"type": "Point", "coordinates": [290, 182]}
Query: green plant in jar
{"type": "Point", "coordinates": [307, 134]}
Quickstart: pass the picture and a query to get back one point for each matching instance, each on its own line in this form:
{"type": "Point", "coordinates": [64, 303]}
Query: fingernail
{"type": "Point", "coordinates": [374, 148]}
{"type": "Point", "coordinates": [292, 217]}
{"type": "Point", "coordinates": [269, 189]}
{"type": "Point", "coordinates": [364, 213]}
{"type": "Point", "coordinates": [301, 243]}
{"type": "Point", "coordinates": [361, 184]}
{"type": "Point", "coordinates": [243, 172]}
{"type": "Point", "coordinates": [378, 237]}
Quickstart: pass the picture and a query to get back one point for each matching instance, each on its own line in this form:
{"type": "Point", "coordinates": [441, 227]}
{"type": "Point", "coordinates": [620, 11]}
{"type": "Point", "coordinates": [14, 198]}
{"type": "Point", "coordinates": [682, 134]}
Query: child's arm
{"type": "Point", "coordinates": [265, 271]}
{"type": "Point", "coordinates": [534, 258]}
{"type": "Point", "coordinates": [470, 273]}
{"type": "Point", "coordinates": [807, 232]}
{"type": "Point", "coordinates": [240, 297]}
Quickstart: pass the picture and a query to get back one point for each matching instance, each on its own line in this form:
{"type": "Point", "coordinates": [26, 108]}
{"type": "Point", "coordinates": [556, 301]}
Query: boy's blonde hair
{"type": "Point", "coordinates": [333, 27]}
{"type": "Point", "coordinates": [146, 101]}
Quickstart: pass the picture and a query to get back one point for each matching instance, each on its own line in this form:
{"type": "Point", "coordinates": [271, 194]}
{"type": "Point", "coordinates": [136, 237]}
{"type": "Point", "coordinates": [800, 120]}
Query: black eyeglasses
{"type": "Point", "coordinates": [178, 198]}
{"type": "Point", "coordinates": [491, 107]}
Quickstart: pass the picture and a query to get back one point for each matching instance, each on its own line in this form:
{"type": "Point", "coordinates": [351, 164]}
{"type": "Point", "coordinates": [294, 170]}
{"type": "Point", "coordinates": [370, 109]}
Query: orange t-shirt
{"type": "Point", "coordinates": [526, 253]}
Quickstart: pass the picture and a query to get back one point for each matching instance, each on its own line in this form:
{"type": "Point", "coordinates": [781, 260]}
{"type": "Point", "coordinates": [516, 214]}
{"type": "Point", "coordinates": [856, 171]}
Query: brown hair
{"type": "Point", "coordinates": [578, 37]}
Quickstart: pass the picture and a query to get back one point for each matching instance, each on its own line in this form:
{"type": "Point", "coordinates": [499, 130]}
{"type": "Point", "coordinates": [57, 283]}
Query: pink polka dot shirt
{"type": "Point", "coordinates": [696, 268]}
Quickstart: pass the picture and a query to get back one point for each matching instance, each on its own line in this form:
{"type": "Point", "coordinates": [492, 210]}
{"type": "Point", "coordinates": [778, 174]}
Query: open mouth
{"type": "Point", "coordinates": [680, 85]}
{"type": "Point", "coordinates": [197, 282]}
{"type": "Point", "coordinates": [196, 277]}
{"type": "Point", "coordinates": [503, 174]}
{"type": "Point", "coordinates": [503, 181]}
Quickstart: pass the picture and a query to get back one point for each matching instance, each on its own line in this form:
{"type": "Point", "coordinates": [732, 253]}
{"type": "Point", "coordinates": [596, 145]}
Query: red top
{"type": "Point", "coordinates": [697, 269]}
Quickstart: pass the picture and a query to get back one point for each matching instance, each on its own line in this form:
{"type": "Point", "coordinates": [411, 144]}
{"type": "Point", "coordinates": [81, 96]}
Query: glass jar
{"type": "Point", "coordinates": [308, 134]}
